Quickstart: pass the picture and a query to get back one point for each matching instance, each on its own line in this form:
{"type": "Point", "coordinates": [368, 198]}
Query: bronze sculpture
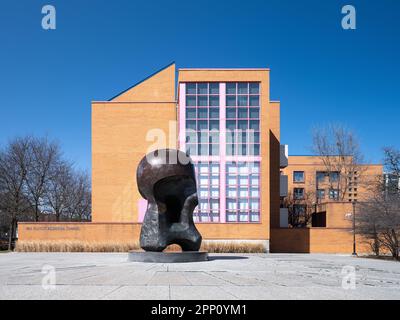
{"type": "Point", "coordinates": [166, 179]}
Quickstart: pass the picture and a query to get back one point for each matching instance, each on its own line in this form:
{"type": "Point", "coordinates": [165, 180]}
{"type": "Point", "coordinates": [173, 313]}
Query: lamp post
{"type": "Point", "coordinates": [354, 229]}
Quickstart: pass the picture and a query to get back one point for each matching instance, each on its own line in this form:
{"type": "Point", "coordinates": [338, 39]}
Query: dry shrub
{"type": "Point", "coordinates": [121, 246]}
{"type": "Point", "coordinates": [232, 247]}
{"type": "Point", "coordinates": [76, 246]}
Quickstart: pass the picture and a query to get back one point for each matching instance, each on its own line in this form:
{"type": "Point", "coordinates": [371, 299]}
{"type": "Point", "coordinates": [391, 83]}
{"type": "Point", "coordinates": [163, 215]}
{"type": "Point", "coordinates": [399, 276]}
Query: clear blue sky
{"type": "Point", "coordinates": [320, 72]}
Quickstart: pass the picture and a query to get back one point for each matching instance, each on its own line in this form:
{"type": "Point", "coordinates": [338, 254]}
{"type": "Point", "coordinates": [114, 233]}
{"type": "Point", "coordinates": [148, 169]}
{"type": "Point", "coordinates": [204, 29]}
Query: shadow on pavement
{"type": "Point", "coordinates": [210, 258]}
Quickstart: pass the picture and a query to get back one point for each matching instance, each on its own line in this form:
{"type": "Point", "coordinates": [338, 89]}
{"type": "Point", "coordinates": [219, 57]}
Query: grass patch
{"type": "Point", "coordinates": [119, 246]}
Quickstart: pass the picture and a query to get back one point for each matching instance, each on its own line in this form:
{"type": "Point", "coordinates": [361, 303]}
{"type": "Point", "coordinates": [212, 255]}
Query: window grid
{"type": "Point", "coordinates": [207, 174]}
{"type": "Point", "coordinates": [243, 118]}
{"type": "Point", "coordinates": [202, 125]}
{"type": "Point", "coordinates": [202, 119]}
{"type": "Point", "coordinates": [243, 192]}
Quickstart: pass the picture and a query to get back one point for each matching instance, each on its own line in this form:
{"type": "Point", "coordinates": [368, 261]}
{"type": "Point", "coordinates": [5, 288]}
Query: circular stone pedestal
{"type": "Point", "coordinates": [167, 257]}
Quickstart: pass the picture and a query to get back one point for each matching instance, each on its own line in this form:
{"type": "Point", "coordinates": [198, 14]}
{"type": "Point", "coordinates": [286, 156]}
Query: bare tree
{"type": "Point", "coordinates": [368, 225]}
{"type": "Point", "coordinates": [80, 198]}
{"type": "Point", "coordinates": [59, 190]}
{"type": "Point", "coordinates": [379, 217]}
{"type": "Point", "coordinates": [45, 156]}
{"type": "Point", "coordinates": [15, 160]}
{"type": "Point", "coordinates": [339, 151]}
{"type": "Point", "coordinates": [34, 179]}
{"type": "Point", "coordinates": [300, 210]}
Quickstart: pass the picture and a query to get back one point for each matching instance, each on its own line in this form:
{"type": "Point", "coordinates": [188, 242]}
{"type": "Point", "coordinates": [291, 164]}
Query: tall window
{"type": "Point", "coordinates": [243, 118]}
{"type": "Point", "coordinates": [202, 119]}
{"type": "Point", "coordinates": [243, 192]}
{"type": "Point", "coordinates": [208, 191]}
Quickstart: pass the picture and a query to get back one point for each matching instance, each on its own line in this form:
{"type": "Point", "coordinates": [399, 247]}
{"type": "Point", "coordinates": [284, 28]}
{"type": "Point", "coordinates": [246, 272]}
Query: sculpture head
{"type": "Point", "coordinates": [166, 179]}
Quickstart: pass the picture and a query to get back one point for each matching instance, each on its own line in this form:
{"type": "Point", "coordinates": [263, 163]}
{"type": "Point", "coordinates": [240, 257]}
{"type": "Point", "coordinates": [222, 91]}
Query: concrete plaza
{"type": "Point", "coordinates": [225, 276]}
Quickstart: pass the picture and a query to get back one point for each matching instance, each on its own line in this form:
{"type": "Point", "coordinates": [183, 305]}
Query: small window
{"type": "Point", "coordinates": [255, 125]}
{"type": "Point", "coordinates": [190, 88]}
{"type": "Point", "coordinates": [334, 176]}
{"type": "Point", "coordinates": [254, 113]}
{"type": "Point", "coordinates": [243, 88]}
{"type": "Point", "coordinates": [321, 176]}
{"type": "Point", "coordinates": [321, 194]}
{"type": "Point", "coordinates": [254, 101]}
{"type": "Point", "coordinates": [190, 101]}
{"type": "Point", "coordinates": [214, 88]}
{"type": "Point", "coordinates": [202, 113]}
{"type": "Point", "coordinates": [298, 176]}
{"type": "Point", "coordinates": [298, 193]}
{"type": "Point", "coordinates": [214, 113]}
{"type": "Point", "coordinates": [230, 113]}
{"type": "Point", "coordinates": [334, 194]}
{"type": "Point", "coordinates": [231, 101]}
{"type": "Point", "coordinates": [202, 88]}
{"type": "Point", "coordinates": [202, 101]}
{"type": "Point", "coordinates": [242, 125]}
{"type": "Point", "coordinates": [231, 125]}
{"type": "Point", "coordinates": [202, 125]}
{"type": "Point", "coordinates": [214, 125]}
{"type": "Point", "coordinates": [243, 113]}
{"type": "Point", "coordinates": [191, 113]}
{"type": "Point", "coordinates": [243, 101]}
{"type": "Point", "coordinates": [214, 101]}
{"type": "Point", "coordinates": [231, 88]}
{"type": "Point", "coordinates": [254, 88]}
{"type": "Point", "coordinates": [191, 125]}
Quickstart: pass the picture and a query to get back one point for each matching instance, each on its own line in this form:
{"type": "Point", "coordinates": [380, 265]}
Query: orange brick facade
{"type": "Point", "coordinates": [337, 235]}
{"type": "Point", "coordinates": [130, 125]}
{"type": "Point", "coordinates": [144, 118]}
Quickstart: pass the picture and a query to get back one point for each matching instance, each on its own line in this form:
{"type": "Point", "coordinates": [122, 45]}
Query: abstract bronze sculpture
{"type": "Point", "coordinates": [166, 179]}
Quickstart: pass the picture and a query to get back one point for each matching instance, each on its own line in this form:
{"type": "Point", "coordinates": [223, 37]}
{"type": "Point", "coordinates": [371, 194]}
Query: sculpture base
{"type": "Point", "coordinates": [167, 257]}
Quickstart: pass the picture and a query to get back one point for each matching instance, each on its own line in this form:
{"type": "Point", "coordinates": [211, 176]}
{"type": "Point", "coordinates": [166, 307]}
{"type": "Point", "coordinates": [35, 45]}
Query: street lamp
{"type": "Point", "coordinates": [354, 229]}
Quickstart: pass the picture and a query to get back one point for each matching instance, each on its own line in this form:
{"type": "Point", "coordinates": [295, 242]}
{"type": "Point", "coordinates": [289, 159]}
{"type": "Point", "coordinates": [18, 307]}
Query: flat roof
{"type": "Point", "coordinates": [223, 69]}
